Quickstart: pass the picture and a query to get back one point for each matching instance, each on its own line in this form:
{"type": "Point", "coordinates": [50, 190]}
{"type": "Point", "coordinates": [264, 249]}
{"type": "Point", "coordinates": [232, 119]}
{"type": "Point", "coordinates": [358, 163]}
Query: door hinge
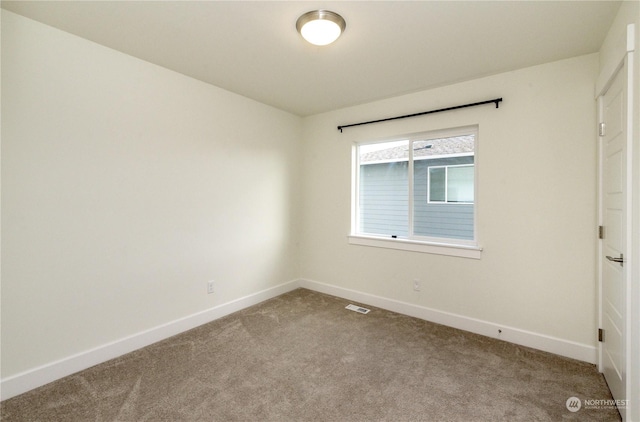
{"type": "Point", "coordinates": [600, 335]}
{"type": "Point", "coordinates": [600, 232]}
{"type": "Point", "coordinates": [601, 129]}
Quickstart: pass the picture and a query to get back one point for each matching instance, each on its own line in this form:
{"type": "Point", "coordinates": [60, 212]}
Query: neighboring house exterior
{"type": "Point", "coordinates": [443, 189]}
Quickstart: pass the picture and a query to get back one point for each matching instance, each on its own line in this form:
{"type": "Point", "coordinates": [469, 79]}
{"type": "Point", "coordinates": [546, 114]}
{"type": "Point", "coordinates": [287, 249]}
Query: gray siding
{"type": "Point", "coordinates": [384, 205]}
{"type": "Point", "coordinates": [439, 220]}
{"type": "Point", "coordinates": [383, 199]}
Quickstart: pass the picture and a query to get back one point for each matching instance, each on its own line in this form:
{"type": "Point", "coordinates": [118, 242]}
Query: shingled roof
{"type": "Point", "coordinates": [422, 150]}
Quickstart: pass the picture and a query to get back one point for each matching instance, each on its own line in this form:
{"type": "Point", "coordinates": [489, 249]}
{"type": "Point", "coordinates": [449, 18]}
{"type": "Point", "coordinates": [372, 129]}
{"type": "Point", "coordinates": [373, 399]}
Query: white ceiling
{"type": "Point", "coordinates": [388, 48]}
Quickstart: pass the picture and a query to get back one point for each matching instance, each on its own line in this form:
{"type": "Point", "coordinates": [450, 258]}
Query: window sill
{"type": "Point", "coordinates": [462, 251]}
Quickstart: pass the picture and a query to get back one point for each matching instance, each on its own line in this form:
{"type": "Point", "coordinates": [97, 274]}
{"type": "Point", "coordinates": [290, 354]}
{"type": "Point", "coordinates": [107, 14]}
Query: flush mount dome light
{"type": "Point", "coordinates": [320, 27]}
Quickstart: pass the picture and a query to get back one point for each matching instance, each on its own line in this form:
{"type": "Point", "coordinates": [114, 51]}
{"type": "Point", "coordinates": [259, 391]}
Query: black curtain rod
{"type": "Point", "coordinates": [495, 101]}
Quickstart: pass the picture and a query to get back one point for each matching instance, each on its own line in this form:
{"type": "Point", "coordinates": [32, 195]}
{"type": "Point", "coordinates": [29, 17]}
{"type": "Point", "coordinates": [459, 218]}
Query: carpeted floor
{"type": "Point", "coordinates": [303, 357]}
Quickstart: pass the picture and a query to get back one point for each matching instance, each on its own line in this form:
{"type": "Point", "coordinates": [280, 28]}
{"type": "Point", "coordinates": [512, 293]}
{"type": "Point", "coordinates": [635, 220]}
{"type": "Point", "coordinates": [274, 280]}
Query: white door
{"type": "Point", "coordinates": [613, 250]}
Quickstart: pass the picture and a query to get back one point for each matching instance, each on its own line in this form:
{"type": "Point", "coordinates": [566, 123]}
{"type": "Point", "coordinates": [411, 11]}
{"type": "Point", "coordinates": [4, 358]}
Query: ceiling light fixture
{"type": "Point", "coordinates": [320, 27]}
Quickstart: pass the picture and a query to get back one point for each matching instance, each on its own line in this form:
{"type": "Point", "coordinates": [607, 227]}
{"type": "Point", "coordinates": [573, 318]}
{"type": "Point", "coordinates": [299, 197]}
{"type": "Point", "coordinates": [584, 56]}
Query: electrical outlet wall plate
{"type": "Point", "coordinates": [210, 287]}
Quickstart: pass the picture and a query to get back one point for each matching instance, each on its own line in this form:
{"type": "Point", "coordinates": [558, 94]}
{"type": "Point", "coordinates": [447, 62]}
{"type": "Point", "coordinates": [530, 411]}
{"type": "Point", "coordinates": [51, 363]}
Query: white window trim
{"type": "Point", "coordinates": [412, 245]}
{"type": "Point", "coordinates": [449, 247]}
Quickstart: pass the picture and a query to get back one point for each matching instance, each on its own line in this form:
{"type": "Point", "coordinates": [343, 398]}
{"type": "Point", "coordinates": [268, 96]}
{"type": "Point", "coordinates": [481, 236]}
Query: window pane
{"type": "Point", "coordinates": [384, 189]}
{"type": "Point", "coordinates": [460, 184]}
{"type": "Point", "coordinates": [443, 188]}
{"type": "Point", "coordinates": [437, 178]}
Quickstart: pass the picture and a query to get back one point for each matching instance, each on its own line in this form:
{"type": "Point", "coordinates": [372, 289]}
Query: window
{"type": "Point", "coordinates": [419, 190]}
{"type": "Point", "coordinates": [451, 184]}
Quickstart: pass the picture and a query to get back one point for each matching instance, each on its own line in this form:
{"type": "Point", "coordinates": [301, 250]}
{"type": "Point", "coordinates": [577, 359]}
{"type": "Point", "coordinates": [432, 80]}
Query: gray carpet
{"type": "Point", "coordinates": [303, 357]}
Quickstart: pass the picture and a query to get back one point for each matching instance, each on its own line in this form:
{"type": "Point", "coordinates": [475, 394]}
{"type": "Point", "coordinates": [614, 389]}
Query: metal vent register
{"type": "Point", "coordinates": [357, 309]}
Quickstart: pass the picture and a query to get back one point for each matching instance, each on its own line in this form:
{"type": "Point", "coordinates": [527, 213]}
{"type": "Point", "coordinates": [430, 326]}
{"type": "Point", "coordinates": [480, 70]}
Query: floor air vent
{"type": "Point", "coordinates": [357, 309]}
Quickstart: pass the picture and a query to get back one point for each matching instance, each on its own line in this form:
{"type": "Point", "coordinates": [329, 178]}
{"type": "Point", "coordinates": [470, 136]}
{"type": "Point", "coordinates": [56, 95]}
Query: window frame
{"type": "Point", "coordinates": [441, 246]}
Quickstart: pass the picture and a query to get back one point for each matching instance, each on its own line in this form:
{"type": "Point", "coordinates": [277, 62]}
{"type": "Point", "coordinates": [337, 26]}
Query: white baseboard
{"type": "Point", "coordinates": [570, 349]}
{"type": "Point", "coordinates": [37, 377]}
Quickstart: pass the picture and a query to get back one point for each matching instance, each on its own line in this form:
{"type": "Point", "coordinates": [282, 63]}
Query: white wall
{"type": "Point", "coordinates": [125, 187]}
{"type": "Point", "coordinates": [536, 203]}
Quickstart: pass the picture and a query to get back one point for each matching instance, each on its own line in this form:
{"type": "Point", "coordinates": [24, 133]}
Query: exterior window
{"type": "Point", "coordinates": [451, 184]}
{"type": "Point", "coordinates": [421, 188]}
